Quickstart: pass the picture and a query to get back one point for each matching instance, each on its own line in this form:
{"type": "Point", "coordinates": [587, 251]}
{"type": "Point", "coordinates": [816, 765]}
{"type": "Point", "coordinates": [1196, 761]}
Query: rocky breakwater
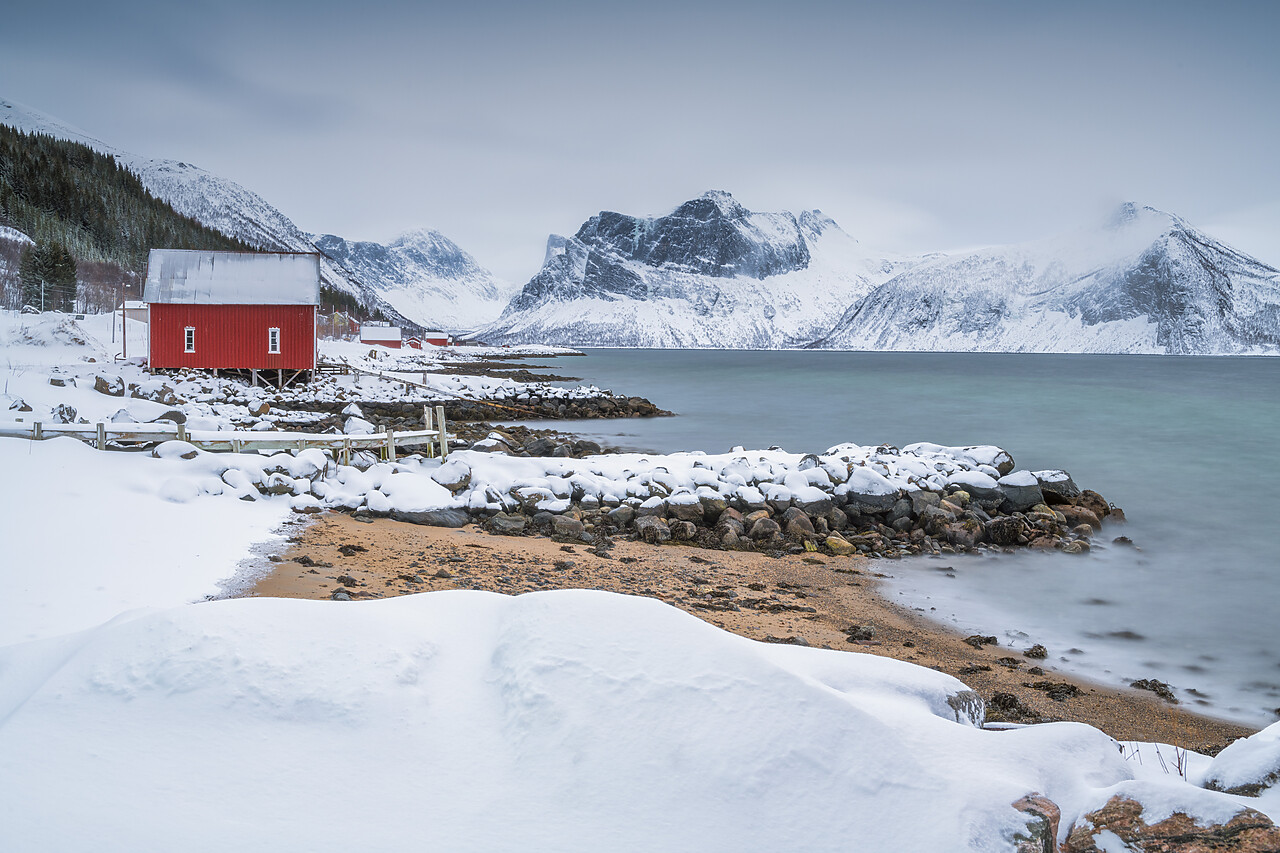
{"type": "Point", "coordinates": [408, 415]}
{"type": "Point", "coordinates": [880, 502]}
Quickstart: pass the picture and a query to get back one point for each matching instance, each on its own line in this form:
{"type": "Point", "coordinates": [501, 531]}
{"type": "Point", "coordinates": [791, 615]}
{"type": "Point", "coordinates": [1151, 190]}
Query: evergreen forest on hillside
{"type": "Point", "coordinates": [64, 194]}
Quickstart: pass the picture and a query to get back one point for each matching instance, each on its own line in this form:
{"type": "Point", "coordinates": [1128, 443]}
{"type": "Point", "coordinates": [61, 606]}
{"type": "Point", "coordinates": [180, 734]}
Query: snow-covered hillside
{"type": "Point", "coordinates": [426, 277]}
{"type": "Point", "coordinates": [1145, 282]}
{"type": "Point", "coordinates": [710, 274]}
{"type": "Point", "coordinates": [226, 206]}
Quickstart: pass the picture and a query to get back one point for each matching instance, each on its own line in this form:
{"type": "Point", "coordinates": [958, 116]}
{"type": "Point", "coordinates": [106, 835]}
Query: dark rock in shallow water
{"type": "Point", "coordinates": [1094, 502]}
{"type": "Point", "coordinates": [1058, 487]}
{"type": "Point", "coordinates": [1021, 492]}
{"type": "Point", "coordinates": [1076, 515]}
{"type": "Point", "coordinates": [1164, 691]}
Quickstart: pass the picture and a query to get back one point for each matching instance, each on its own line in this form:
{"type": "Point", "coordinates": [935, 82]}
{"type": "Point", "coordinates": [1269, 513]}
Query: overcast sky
{"type": "Point", "coordinates": [917, 126]}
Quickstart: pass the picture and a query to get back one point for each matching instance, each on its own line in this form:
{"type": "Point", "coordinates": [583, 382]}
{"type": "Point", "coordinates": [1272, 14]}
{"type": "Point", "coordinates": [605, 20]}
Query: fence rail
{"type": "Point", "coordinates": [100, 435]}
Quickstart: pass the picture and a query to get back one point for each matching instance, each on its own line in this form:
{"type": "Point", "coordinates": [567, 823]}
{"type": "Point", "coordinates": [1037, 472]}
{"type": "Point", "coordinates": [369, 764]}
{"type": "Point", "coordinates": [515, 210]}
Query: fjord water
{"type": "Point", "coordinates": [1188, 446]}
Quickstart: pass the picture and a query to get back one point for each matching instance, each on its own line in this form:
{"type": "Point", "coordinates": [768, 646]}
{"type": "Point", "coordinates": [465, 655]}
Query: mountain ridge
{"type": "Point", "coordinates": [710, 273]}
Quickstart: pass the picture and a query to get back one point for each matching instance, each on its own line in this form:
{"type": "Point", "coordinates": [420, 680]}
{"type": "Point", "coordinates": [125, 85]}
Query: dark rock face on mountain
{"type": "Point", "coordinates": [1146, 282]}
{"type": "Point", "coordinates": [709, 274]}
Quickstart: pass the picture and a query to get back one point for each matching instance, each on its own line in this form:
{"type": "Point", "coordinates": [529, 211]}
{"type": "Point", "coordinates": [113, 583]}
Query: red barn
{"type": "Point", "coordinates": [232, 310]}
{"type": "Point", "coordinates": [381, 334]}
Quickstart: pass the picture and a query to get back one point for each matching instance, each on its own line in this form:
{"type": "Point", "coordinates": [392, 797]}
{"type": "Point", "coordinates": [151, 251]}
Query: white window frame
{"type": "Point", "coordinates": [273, 337]}
{"type": "Point", "coordinates": [189, 339]}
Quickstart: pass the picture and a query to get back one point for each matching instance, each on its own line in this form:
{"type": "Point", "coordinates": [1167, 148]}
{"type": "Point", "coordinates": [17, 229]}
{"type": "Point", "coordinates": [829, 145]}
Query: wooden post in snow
{"type": "Point", "coordinates": [102, 436]}
{"type": "Point", "coordinates": [182, 432]}
{"type": "Point", "coordinates": [37, 431]}
{"type": "Point", "coordinates": [427, 424]}
{"type": "Point", "coordinates": [444, 437]}
{"type": "Point", "coordinates": [391, 445]}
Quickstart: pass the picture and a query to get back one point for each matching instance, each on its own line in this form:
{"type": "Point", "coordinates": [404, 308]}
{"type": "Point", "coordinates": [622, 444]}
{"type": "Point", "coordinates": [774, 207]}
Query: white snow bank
{"type": "Point", "coordinates": [89, 534]}
{"type": "Point", "coordinates": [1249, 761]}
{"type": "Point", "coordinates": [471, 721]}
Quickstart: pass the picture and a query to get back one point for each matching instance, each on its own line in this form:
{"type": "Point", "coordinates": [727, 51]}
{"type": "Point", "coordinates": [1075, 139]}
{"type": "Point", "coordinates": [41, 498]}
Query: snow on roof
{"type": "Point", "coordinates": [195, 277]}
{"type": "Point", "coordinates": [379, 332]}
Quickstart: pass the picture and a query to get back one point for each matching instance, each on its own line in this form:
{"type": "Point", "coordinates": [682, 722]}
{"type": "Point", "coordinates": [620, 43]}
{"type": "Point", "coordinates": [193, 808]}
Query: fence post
{"type": "Point", "coordinates": [182, 432]}
{"type": "Point", "coordinates": [102, 436]}
{"type": "Point", "coordinates": [346, 451]}
{"type": "Point", "coordinates": [427, 424]}
{"type": "Point", "coordinates": [235, 445]}
{"type": "Point", "coordinates": [38, 431]}
{"type": "Point", "coordinates": [391, 445]}
{"type": "Point", "coordinates": [444, 436]}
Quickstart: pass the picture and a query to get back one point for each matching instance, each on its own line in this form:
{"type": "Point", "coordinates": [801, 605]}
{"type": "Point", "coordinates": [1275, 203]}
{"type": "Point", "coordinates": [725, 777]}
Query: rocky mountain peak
{"type": "Point", "coordinates": [713, 204]}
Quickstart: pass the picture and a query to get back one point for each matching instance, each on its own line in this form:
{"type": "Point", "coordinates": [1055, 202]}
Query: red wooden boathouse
{"type": "Point", "coordinates": [232, 310]}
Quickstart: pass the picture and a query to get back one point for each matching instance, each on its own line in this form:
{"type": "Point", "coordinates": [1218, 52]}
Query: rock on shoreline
{"type": "Point", "coordinates": [883, 502]}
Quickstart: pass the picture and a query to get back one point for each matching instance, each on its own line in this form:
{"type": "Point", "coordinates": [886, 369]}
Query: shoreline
{"type": "Point", "coordinates": [809, 599]}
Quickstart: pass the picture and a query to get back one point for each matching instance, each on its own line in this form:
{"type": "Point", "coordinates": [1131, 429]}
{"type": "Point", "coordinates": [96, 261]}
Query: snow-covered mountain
{"type": "Point", "coordinates": [424, 276]}
{"type": "Point", "coordinates": [710, 274]}
{"type": "Point", "coordinates": [1144, 282]}
{"type": "Point", "coordinates": [214, 201]}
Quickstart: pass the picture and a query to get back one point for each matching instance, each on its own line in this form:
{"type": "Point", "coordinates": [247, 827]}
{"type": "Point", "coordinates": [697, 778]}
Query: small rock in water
{"type": "Point", "coordinates": [1164, 691]}
{"type": "Point", "coordinates": [978, 641]}
{"type": "Point", "coordinates": [1037, 651]}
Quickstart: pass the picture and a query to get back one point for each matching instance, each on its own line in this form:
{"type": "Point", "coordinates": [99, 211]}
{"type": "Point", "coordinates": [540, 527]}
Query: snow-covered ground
{"type": "Point", "coordinates": [134, 714]}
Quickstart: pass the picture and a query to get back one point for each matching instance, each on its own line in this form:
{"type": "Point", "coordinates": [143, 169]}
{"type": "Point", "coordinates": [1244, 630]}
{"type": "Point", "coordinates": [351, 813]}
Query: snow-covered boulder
{"type": "Point", "coordinates": [1248, 766]}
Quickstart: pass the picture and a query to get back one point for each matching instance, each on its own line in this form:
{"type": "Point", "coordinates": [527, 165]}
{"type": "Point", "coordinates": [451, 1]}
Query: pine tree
{"type": "Point", "coordinates": [48, 275]}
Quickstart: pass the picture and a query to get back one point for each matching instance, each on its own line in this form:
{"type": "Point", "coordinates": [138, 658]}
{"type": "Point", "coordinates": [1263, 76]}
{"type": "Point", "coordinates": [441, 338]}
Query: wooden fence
{"type": "Point", "coordinates": [101, 435]}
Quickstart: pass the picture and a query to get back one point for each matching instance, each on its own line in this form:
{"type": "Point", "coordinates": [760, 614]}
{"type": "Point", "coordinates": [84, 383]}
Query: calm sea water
{"type": "Point", "coordinates": [1189, 447]}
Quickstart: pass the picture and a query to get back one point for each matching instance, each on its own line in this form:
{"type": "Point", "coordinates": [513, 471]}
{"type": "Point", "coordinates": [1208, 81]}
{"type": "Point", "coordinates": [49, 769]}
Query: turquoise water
{"type": "Point", "coordinates": [1189, 447]}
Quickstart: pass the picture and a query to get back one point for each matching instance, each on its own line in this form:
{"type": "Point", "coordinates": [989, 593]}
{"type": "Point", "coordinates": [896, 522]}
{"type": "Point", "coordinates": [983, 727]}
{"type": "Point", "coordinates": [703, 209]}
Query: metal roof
{"type": "Point", "coordinates": [196, 277]}
{"type": "Point", "coordinates": [379, 332]}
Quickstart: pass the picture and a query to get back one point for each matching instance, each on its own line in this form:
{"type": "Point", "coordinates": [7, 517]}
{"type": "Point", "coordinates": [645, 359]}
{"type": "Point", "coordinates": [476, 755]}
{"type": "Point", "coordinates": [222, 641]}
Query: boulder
{"type": "Point", "coordinates": [765, 528]}
{"type": "Point", "coordinates": [433, 517]}
{"type": "Point", "coordinates": [922, 500]}
{"type": "Point", "coordinates": [64, 414]}
{"type": "Point", "coordinates": [1121, 820]}
{"type": "Point", "coordinates": [1021, 490]}
{"type": "Point", "coordinates": [840, 546]}
{"type": "Point", "coordinates": [1043, 817]}
{"type": "Point", "coordinates": [567, 525]}
{"type": "Point", "coordinates": [1248, 766]}
{"type": "Point", "coordinates": [1077, 515]}
{"type": "Point", "coordinates": [684, 508]}
{"type": "Point", "coordinates": [683, 531]}
{"type": "Point", "coordinates": [110, 385]}
{"type": "Point", "coordinates": [1096, 503]}
{"type": "Point", "coordinates": [713, 506]}
{"type": "Point", "coordinates": [507, 525]}
{"type": "Point", "coordinates": [622, 516]}
{"type": "Point", "coordinates": [653, 529]}
{"type": "Point", "coordinates": [652, 507]}
{"type": "Point", "coordinates": [964, 534]}
{"type": "Point", "coordinates": [1058, 487]}
{"type": "Point", "coordinates": [454, 475]}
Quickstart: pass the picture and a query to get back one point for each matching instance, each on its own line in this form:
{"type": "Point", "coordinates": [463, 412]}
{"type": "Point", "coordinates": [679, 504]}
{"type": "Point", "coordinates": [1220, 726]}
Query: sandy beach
{"type": "Point", "coordinates": [808, 599]}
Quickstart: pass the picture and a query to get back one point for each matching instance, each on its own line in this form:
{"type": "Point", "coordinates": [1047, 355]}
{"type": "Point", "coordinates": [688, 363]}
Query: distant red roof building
{"type": "Point", "coordinates": [382, 334]}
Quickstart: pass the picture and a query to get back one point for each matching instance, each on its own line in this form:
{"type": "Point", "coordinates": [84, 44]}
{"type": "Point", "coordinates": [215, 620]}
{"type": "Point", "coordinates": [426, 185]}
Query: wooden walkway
{"type": "Point", "coordinates": [103, 435]}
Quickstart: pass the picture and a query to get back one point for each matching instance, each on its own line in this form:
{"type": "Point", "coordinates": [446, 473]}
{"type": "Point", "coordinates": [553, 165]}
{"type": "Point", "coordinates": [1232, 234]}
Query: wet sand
{"type": "Point", "coordinates": [807, 599]}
